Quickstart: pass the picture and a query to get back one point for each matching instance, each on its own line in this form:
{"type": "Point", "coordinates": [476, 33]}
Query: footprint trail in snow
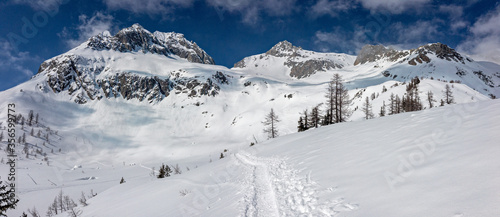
{"type": "Point", "coordinates": [274, 189]}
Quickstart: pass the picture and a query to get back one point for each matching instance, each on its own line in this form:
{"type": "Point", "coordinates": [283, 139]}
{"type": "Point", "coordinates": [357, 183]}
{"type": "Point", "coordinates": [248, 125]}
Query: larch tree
{"type": "Point", "coordinates": [337, 101]}
{"type": "Point", "coordinates": [367, 109]}
{"type": "Point", "coordinates": [430, 99]}
{"type": "Point", "coordinates": [382, 110]}
{"type": "Point", "coordinates": [270, 124]}
{"type": "Point", "coordinates": [448, 95]}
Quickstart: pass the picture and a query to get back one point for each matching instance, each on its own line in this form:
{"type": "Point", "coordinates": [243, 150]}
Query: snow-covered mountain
{"type": "Point", "coordinates": [285, 59]}
{"type": "Point", "coordinates": [145, 98]}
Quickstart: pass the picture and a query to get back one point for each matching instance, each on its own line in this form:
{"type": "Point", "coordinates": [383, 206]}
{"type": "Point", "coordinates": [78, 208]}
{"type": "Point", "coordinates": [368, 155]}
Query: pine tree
{"type": "Point", "coordinates": [270, 124]}
{"type": "Point", "coordinates": [6, 201]}
{"type": "Point", "coordinates": [39, 133]}
{"type": "Point", "coordinates": [36, 119]}
{"type": "Point", "coordinates": [367, 109]}
{"type": "Point", "coordinates": [448, 95]}
{"type": "Point", "coordinates": [32, 133]}
{"type": "Point", "coordinates": [1, 136]}
{"type": "Point", "coordinates": [164, 171]}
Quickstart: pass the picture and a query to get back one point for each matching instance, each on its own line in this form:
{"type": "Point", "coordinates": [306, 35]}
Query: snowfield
{"type": "Point", "coordinates": [437, 162]}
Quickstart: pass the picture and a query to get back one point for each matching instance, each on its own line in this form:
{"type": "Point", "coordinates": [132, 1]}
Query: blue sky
{"type": "Point", "coordinates": [32, 31]}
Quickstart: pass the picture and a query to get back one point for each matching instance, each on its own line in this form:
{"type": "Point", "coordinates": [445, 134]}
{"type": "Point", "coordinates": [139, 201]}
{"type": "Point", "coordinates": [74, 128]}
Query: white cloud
{"type": "Point", "coordinates": [40, 4]}
{"type": "Point", "coordinates": [454, 11]}
{"type": "Point", "coordinates": [15, 62]}
{"type": "Point", "coordinates": [484, 43]}
{"type": "Point", "coordinates": [416, 33]}
{"type": "Point", "coordinates": [393, 6]}
{"type": "Point", "coordinates": [252, 10]}
{"type": "Point", "coordinates": [332, 8]}
{"type": "Point", "coordinates": [88, 27]}
{"type": "Point", "coordinates": [152, 7]}
{"type": "Point", "coordinates": [340, 41]}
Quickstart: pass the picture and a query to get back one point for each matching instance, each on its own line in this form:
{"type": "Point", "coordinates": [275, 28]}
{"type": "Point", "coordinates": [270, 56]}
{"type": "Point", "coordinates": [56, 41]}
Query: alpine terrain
{"type": "Point", "coordinates": [146, 123]}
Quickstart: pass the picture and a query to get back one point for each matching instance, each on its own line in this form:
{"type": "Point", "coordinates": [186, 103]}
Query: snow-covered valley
{"type": "Point", "coordinates": [110, 110]}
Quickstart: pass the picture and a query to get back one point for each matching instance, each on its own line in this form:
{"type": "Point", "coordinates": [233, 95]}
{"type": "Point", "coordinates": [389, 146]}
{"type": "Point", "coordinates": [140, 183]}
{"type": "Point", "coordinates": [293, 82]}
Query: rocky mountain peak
{"type": "Point", "coordinates": [136, 38]}
{"type": "Point", "coordinates": [371, 53]}
{"type": "Point", "coordinates": [283, 48]}
{"type": "Point", "coordinates": [442, 51]}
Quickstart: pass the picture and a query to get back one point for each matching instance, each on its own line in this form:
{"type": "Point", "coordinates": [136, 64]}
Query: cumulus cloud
{"type": "Point", "coordinates": [453, 11]}
{"type": "Point", "coordinates": [152, 7]}
{"type": "Point", "coordinates": [393, 6]}
{"type": "Point", "coordinates": [88, 27]}
{"type": "Point", "coordinates": [252, 10]}
{"type": "Point", "coordinates": [332, 8]}
{"type": "Point", "coordinates": [341, 41]}
{"type": "Point", "coordinates": [484, 42]}
{"type": "Point", "coordinates": [41, 4]}
{"type": "Point", "coordinates": [13, 62]}
{"type": "Point", "coordinates": [417, 33]}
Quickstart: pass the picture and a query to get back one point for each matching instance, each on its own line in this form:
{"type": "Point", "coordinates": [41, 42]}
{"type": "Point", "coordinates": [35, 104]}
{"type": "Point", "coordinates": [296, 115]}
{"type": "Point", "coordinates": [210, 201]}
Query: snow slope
{"type": "Point", "coordinates": [437, 162]}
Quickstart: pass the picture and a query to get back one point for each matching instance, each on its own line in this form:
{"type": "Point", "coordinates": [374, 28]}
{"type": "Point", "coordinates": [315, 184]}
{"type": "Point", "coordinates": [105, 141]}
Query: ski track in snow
{"type": "Point", "coordinates": [273, 189]}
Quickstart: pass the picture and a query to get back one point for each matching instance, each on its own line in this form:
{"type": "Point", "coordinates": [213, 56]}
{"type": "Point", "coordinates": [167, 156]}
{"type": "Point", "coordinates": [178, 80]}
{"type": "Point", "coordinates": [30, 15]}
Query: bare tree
{"type": "Point", "coordinates": [382, 110]}
{"type": "Point", "coordinates": [30, 118]}
{"type": "Point", "coordinates": [83, 200]}
{"type": "Point", "coordinates": [367, 109]}
{"type": "Point", "coordinates": [177, 169]}
{"type": "Point", "coordinates": [34, 213]}
{"type": "Point", "coordinates": [315, 116]}
{"type": "Point", "coordinates": [430, 99]}
{"type": "Point", "coordinates": [448, 95]}
{"type": "Point", "coordinates": [270, 124]}
{"type": "Point", "coordinates": [338, 101]}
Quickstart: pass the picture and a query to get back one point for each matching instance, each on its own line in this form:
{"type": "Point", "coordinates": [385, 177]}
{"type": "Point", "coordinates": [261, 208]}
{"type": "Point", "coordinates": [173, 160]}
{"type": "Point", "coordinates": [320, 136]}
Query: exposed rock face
{"type": "Point", "coordinates": [284, 49]}
{"type": "Point", "coordinates": [71, 73]}
{"type": "Point", "coordinates": [372, 53]}
{"type": "Point", "coordinates": [183, 48]}
{"type": "Point", "coordinates": [301, 62]}
{"type": "Point", "coordinates": [442, 51]}
{"type": "Point", "coordinates": [309, 67]}
{"type": "Point", "coordinates": [136, 38]}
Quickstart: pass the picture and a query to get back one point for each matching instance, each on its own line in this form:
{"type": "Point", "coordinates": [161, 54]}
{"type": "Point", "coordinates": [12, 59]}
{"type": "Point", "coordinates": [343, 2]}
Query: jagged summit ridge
{"type": "Point", "coordinates": [372, 53]}
{"type": "Point", "coordinates": [299, 62]}
{"type": "Point", "coordinates": [136, 38]}
{"type": "Point", "coordinates": [283, 48]}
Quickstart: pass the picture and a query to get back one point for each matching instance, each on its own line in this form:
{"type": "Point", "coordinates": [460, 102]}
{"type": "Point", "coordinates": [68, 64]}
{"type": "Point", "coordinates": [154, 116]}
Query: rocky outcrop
{"type": "Point", "coordinates": [372, 53]}
{"type": "Point", "coordinates": [302, 63]}
{"type": "Point", "coordinates": [441, 51]}
{"type": "Point", "coordinates": [310, 67]}
{"type": "Point", "coordinates": [72, 75]}
{"type": "Point", "coordinates": [136, 38]}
